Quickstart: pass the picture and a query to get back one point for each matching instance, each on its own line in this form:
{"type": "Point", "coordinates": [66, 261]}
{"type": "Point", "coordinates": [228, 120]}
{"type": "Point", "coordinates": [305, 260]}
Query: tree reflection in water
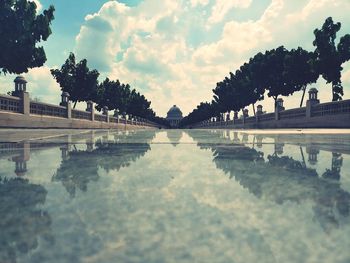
{"type": "Point", "coordinates": [281, 178]}
{"type": "Point", "coordinates": [79, 167]}
{"type": "Point", "coordinates": [22, 222]}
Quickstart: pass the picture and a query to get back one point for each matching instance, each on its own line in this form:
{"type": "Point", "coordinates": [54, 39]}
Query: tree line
{"type": "Point", "coordinates": [82, 85]}
{"type": "Point", "coordinates": [22, 29]}
{"type": "Point", "coordinates": [279, 72]}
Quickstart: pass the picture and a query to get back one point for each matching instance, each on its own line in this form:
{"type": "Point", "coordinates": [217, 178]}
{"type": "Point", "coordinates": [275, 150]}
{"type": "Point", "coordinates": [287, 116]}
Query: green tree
{"type": "Point", "coordinates": [331, 57]}
{"type": "Point", "coordinates": [20, 31]}
{"type": "Point", "coordinates": [114, 95]}
{"type": "Point", "coordinates": [299, 70]}
{"type": "Point", "coordinates": [204, 111]}
{"type": "Point", "coordinates": [138, 104]}
{"type": "Point", "coordinates": [77, 80]}
{"type": "Point", "coordinates": [279, 78]}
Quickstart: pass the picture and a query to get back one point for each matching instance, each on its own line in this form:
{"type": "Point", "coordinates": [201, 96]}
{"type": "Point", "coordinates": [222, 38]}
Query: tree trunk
{"type": "Point", "coordinates": [275, 98]}
{"type": "Point", "coordinates": [75, 103]}
{"type": "Point", "coordinates": [302, 156]}
{"type": "Point", "coordinates": [302, 98]}
{"type": "Point", "coordinates": [254, 109]}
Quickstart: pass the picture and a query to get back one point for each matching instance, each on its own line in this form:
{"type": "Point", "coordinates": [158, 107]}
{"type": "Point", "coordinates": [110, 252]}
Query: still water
{"type": "Point", "coordinates": [175, 196]}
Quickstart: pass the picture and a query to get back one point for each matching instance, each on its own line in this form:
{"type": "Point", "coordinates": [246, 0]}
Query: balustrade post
{"type": "Point", "coordinates": [313, 100]}
{"type": "Point", "coordinates": [90, 108]}
{"type": "Point", "coordinates": [105, 112]}
{"type": "Point", "coordinates": [25, 103]}
{"type": "Point", "coordinates": [66, 103]}
{"type": "Point", "coordinates": [21, 92]}
{"type": "Point", "coordinates": [259, 112]}
{"type": "Point", "coordinates": [116, 115]}
{"type": "Point", "coordinates": [69, 110]}
{"type": "Point", "coordinates": [278, 107]}
{"type": "Point", "coordinates": [245, 115]}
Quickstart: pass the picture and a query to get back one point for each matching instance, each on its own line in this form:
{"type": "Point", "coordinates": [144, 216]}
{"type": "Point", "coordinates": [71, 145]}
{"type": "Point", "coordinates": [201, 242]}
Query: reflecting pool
{"type": "Point", "coordinates": [174, 196]}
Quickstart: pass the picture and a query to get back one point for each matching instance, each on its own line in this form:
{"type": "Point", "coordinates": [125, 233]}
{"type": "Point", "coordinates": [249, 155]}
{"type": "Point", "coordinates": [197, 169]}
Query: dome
{"type": "Point", "coordinates": [20, 79]}
{"type": "Point", "coordinates": [174, 113]}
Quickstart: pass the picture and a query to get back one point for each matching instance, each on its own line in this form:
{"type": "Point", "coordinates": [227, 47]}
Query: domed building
{"type": "Point", "coordinates": [174, 116]}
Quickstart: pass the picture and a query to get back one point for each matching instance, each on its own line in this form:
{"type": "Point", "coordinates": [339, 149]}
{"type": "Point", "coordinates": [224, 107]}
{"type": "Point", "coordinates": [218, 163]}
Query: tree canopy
{"type": "Point", "coordinates": [77, 79]}
{"type": "Point", "coordinates": [280, 72]}
{"type": "Point", "coordinates": [82, 85]}
{"type": "Point", "coordinates": [20, 31]}
{"type": "Point", "coordinates": [331, 57]}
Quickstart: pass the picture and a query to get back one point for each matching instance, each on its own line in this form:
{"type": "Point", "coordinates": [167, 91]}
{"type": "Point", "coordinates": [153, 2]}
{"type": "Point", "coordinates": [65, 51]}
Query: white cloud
{"type": "Point", "coordinates": [237, 39]}
{"type": "Point", "coordinates": [222, 7]}
{"type": "Point", "coordinates": [195, 3]}
{"type": "Point", "coordinates": [41, 85]}
{"type": "Point", "coordinates": [151, 45]}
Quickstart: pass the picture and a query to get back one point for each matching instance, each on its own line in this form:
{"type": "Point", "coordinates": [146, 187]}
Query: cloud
{"type": "Point", "coordinates": [176, 51]}
{"type": "Point", "coordinates": [41, 85]}
{"type": "Point", "coordinates": [195, 3]}
{"type": "Point", "coordinates": [222, 7]}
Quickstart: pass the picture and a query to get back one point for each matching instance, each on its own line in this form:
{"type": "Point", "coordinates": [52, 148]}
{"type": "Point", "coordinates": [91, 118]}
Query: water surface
{"type": "Point", "coordinates": [174, 196]}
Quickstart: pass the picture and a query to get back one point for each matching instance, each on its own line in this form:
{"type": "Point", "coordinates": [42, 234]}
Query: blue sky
{"type": "Point", "coordinates": [176, 51]}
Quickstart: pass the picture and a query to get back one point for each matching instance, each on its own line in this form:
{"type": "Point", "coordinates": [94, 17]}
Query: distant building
{"type": "Point", "coordinates": [174, 116]}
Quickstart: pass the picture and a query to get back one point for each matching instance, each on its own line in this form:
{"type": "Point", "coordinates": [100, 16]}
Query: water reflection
{"type": "Point", "coordinates": [82, 155]}
{"type": "Point", "coordinates": [174, 136]}
{"type": "Point", "coordinates": [279, 177]}
{"type": "Point", "coordinates": [79, 167]}
{"type": "Point", "coordinates": [22, 220]}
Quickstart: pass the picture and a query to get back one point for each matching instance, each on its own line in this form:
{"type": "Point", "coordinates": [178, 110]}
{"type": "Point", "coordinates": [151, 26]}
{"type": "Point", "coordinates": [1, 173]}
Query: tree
{"type": "Point", "coordinates": [138, 104]}
{"type": "Point", "coordinates": [299, 69]}
{"type": "Point", "coordinates": [20, 31]}
{"type": "Point", "coordinates": [77, 80]}
{"type": "Point", "coordinates": [114, 95]}
{"type": "Point", "coordinates": [204, 111]}
{"type": "Point", "coordinates": [331, 57]}
{"type": "Point", "coordinates": [280, 79]}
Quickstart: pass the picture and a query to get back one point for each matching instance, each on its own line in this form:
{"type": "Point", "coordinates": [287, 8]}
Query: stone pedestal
{"type": "Point", "coordinates": [311, 102]}
{"type": "Point", "coordinates": [25, 103]}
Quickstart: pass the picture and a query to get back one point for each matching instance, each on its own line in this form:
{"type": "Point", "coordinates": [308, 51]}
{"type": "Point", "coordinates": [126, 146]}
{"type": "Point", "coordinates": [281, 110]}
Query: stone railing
{"type": "Point", "coordinates": [99, 117]}
{"type": "Point", "coordinates": [113, 120]}
{"type": "Point", "coordinates": [10, 103]}
{"type": "Point", "coordinates": [238, 121]}
{"type": "Point", "coordinates": [331, 108]}
{"type": "Point", "coordinates": [21, 104]}
{"type": "Point", "coordinates": [327, 115]}
{"type": "Point", "coordinates": [39, 108]}
{"type": "Point", "coordinates": [82, 115]}
{"type": "Point", "coordinates": [250, 120]}
{"type": "Point", "coordinates": [293, 113]}
{"type": "Point", "coordinates": [266, 117]}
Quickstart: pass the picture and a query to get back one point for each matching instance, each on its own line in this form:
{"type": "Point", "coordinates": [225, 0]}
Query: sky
{"type": "Point", "coordinates": [174, 52]}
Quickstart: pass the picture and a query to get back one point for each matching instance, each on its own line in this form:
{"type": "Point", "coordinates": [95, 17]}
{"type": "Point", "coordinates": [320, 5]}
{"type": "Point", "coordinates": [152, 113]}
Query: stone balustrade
{"type": "Point", "coordinates": [35, 113]}
{"type": "Point", "coordinates": [314, 115]}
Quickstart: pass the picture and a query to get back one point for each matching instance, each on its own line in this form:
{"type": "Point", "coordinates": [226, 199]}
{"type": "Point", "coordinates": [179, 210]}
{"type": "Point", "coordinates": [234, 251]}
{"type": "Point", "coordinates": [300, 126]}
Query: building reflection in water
{"type": "Point", "coordinates": [174, 136]}
{"type": "Point", "coordinates": [23, 222]}
{"type": "Point", "coordinates": [278, 177]}
{"type": "Point", "coordinates": [80, 167]}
